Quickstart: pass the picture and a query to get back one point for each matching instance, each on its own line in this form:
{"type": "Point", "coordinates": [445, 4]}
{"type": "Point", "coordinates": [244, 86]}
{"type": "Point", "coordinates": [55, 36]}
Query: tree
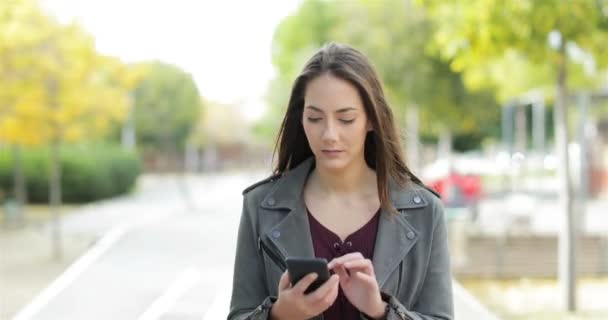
{"type": "Point", "coordinates": [60, 89]}
{"type": "Point", "coordinates": [167, 107]}
{"type": "Point", "coordinates": [422, 88]}
{"type": "Point", "coordinates": [82, 97]}
{"type": "Point", "coordinates": [494, 42]}
{"type": "Point", "coordinates": [18, 35]}
{"type": "Point", "coordinates": [296, 38]}
{"type": "Point", "coordinates": [394, 35]}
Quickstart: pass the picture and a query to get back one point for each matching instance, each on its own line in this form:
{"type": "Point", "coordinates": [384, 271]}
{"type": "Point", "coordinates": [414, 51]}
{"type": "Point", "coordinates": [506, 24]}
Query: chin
{"type": "Point", "coordinates": [335, 164]}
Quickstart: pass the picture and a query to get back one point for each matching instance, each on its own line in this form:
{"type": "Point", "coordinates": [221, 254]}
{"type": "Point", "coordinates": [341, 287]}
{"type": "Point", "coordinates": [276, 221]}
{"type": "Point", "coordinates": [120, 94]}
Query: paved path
{"type": "Point", "coordinates": [160, 258]}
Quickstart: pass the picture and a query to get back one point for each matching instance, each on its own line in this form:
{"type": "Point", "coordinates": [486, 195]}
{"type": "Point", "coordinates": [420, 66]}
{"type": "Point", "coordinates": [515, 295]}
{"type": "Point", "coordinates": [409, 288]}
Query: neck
{"type": "Point", "coordinates": [357, 178]}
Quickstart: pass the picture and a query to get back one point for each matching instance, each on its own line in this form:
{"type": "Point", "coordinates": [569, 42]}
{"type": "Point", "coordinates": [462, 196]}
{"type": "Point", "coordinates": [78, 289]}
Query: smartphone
{"type": "Point", "coordinates": [300, 267]}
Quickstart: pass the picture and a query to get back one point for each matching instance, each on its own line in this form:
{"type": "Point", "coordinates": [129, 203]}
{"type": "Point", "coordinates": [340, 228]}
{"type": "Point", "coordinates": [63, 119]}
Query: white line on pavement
{"type": "Point", "coordinates": [84, 262]}
{"type": "Point", "coordinates": [186, 280]}
{"type": "Point", "coordinates": [471, 303]}
{"type": "Point", "coordinates": [221, 303]}
{"type": "Point", "coordinates": [71, 273]}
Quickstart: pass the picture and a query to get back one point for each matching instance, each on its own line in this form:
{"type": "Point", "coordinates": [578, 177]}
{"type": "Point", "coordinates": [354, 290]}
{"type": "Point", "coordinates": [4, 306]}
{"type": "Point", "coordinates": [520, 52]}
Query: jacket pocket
{"type": "Point", "coordinates": [274, 256]}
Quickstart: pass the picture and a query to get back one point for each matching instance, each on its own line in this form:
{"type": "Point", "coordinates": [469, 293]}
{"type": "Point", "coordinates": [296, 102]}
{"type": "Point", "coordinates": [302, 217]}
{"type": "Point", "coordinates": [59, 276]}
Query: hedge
{"type": "Point", "coordinates": [89, 172]}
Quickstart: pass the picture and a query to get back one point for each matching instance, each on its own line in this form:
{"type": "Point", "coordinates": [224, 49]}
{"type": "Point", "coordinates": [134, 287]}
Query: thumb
{"type": "Point", "coordinates": [284, 281]}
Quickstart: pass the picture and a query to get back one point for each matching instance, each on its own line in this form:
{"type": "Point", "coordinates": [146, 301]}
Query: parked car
{"type": "Point", "coordinates": [459, 191]}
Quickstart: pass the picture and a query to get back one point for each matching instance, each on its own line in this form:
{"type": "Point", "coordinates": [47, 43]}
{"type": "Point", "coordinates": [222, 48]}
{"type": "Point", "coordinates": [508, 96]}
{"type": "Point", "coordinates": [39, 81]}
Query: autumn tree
{"type": "Point", "coordinates": [59, 89]}
{"type": "Point", "coordinates": [518, 46]}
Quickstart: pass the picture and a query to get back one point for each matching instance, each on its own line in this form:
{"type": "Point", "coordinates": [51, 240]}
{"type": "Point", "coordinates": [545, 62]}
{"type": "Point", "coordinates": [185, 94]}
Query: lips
{"type": "Point", "coordinates": [332, 152]}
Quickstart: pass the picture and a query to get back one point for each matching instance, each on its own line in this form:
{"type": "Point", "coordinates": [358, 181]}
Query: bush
{"type": "Point", "coordinates": [88, 172]}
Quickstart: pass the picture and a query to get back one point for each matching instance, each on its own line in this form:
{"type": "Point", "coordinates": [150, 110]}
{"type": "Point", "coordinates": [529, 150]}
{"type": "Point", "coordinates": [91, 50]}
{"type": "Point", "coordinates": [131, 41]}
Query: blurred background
{"type": "Point", "coordinates": [129, 128]}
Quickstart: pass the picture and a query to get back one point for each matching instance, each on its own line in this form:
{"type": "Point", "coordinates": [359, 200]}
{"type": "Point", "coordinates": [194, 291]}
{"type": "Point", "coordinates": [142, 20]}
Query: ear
{"type": "Point", "coordinates": [369, 126]}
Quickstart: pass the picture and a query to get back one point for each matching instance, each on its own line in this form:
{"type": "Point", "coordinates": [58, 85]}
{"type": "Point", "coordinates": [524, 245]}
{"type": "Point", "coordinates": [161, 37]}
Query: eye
{"type": "Point", "coordinates": [313, 120]}
{"type": "Point", "coordinates": [347, 121]}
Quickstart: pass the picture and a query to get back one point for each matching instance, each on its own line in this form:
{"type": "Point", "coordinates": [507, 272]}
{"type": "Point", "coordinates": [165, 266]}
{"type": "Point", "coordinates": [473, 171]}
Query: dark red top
{"type": "Point", "coordinates": [328, 245]}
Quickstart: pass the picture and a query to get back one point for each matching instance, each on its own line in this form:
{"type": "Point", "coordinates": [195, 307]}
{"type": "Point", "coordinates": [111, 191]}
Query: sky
{"type": "Point", "coordinates": [224, 44]}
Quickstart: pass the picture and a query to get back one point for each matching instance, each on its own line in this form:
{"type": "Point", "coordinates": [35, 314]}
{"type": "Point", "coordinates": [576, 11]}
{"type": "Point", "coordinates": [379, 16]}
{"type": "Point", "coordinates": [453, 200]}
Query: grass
{"type": "Point", "coordinates": [34, 215]}
{"type": "Point", "coordinates": [539, 299]}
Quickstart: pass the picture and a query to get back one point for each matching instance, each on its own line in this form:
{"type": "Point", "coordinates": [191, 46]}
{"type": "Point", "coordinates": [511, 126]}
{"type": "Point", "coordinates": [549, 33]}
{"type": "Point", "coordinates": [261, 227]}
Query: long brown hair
{"type": "Point", "coordinates": [383, 148]}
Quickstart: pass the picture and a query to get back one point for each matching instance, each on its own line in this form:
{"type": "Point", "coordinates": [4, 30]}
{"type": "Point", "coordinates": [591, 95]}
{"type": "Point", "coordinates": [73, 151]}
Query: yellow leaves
{"type": "Point", "coordinates": [66, 114]}
{"type": "Point", "coordinates": [17, 131]}
{"type": "Point", "coordinates": [22, 25]}
{"type": "Point", "coordinates": [73, 134]}
{"type": "Point", "coordinates": [54, 83]}
{"type": "Point", "coordinates": [21, 123]}
{"type": "Point", "coordinates": [30, 105]}
{"type": "Point", "coordinates": [475, 78]}
{"type": "Point", "coordinates": [480, 38]}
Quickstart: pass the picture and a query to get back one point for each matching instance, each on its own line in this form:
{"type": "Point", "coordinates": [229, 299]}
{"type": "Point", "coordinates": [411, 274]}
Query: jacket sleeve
{"type": "Point", "coordinates": [250, 298]}
{"type": "Point", "coordinates": [435, 300]}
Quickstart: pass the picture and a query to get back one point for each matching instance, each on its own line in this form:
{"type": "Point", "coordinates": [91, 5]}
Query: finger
{"type": "Point", "coordinates": [334, 291]}
{"type": "Point", "coordinates": [331, 296]}
{"type": "Point", "coordinates": [305, 282]}
{"type": "Point", "coordinates": [323, 290]}
{"type": "Point", "coordinates": [284, 281]}
{"type": "Point", "coordinates": [341, 272]}
{"type": "Point", "coordinates": [345, 258]}
{"type": "Point", "coordinates": [364, 265]}
{"type": "Point", "coordinates": [370, 280]}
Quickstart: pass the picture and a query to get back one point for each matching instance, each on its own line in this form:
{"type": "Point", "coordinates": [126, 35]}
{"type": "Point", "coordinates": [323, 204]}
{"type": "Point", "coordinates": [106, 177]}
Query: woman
{"type": "Point", "coordinates": [341, 191]}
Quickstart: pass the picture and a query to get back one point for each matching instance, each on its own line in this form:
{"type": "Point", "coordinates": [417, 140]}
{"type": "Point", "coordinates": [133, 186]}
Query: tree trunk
{"type": "Point", "coordinates": [181, 176]}
{"type": "Point", "coordinates": [539, 126]}
{"type": "Point", "coordinates": [445, 146]}
{"type": "Point", "coordinates": [567, 237]}
{"type": "Point", "coordinates": [507, 121]}
{"type": "Point", "coordinates": [584, 157]}
{"type": "Point", "coordinates": [55, 197]}
{"type": "Point", "coordinates": [521, 138]}
{"type": "Point", "coordinates": [128, 139]}
{"type": "Point", "coordinates": [520, 129]}
{"type": "Point", "coordinates": [19, 180]}
{"type": "Point", "coordinates": [413, 141]}
{"type": "Point", "coordinates": [192, 158]}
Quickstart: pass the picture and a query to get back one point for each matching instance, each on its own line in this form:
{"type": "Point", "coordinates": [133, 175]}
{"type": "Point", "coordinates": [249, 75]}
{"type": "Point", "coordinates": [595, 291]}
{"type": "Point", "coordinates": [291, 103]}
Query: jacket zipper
{"type": "Point", "coordinates": [276, 258]}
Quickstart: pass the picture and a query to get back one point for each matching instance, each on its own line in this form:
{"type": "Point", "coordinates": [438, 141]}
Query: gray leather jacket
{"type": "Point", "coordinates": [411, 258]}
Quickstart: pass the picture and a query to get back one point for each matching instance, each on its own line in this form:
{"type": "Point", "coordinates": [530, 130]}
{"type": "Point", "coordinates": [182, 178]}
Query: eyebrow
{"type": "Point", "coordinates": [342, 110]}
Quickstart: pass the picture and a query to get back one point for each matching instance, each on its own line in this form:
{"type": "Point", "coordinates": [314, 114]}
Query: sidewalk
{"type": "Point", "coordinates": [26, 264]}
{"type": "Point", "coordinates": [157, 198]}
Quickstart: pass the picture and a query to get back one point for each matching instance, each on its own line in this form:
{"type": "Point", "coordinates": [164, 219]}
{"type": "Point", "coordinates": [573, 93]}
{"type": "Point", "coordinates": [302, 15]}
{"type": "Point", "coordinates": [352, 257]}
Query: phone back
{"type": "Point", "coordinates": [300, 267]}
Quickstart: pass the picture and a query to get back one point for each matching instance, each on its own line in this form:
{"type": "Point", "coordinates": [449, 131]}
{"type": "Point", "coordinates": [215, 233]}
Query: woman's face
{"type": "Point", "coordinates": [335, 122]}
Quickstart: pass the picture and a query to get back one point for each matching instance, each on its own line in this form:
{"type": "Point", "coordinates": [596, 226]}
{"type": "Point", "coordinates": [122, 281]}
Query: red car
{"type": "Point", "coordinates": [458, 190]}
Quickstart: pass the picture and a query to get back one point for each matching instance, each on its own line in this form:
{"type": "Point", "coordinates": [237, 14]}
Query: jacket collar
{"type": "Point", "coordinates": [396, 236]}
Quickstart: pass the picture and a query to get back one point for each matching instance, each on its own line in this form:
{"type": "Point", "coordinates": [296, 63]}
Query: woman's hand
{"type": "Point", "coordinates": [358, 282]}
{"type": "Point", "coordinates": [294, 304]}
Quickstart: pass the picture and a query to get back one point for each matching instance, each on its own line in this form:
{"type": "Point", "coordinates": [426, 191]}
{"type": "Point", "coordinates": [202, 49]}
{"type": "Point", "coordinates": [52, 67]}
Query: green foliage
{"type": "Point", "coordinates": [167, 106]}
{"type": "Point", "coordinates": [300, 35]}
{"type": "Point", "coordinates": [90, 172]}
{"type": "Point", "coordinates": [296, 39]}
{"type": "Point", "coordinates": [395, 35]}
{"type": "Point", "coordinates": [504, 45]}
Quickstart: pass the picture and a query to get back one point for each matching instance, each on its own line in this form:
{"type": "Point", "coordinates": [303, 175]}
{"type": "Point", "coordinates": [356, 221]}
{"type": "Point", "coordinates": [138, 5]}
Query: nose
{"type": "Point", "coordinates": [330, 133]}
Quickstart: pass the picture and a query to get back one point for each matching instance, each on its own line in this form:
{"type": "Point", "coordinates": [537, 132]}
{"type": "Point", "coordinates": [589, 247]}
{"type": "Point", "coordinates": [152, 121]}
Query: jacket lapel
{"type": "Point", "coordinates": [291, 236]}
{"type": "Point", "coordinates": [396, 236]}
